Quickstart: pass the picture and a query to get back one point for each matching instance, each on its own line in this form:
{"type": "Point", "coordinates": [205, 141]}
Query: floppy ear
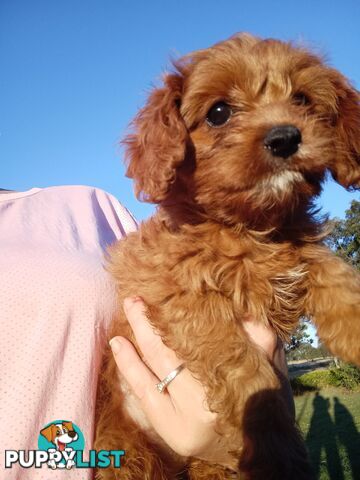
{"type": "Point", "coordinates": [158, 144]}
{"type": "Point", "coordinates": [346, 169]}
{"type": "Point", "coordinates": [48, 432]}
{"type": "Point", "coordinates": [68, 425]}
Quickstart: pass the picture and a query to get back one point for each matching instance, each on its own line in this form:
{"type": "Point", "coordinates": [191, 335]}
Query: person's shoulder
{"type": "Point", "coordinates": [64, 191]}
{"type": "Point", "coordinates": [88, 202]}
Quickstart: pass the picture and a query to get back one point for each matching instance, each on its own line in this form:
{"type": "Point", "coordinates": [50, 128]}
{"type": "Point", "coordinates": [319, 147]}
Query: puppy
{"type": "Point", "coordinates": [233, 148]}
{"type": "Point", "coordinates": [60, 434]}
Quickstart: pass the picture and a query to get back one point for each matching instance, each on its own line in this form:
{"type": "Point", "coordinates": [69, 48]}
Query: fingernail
{"type": "Point", "coordinates": [129, 301]}
{"type": "Point", "coordinates": [115, 344]}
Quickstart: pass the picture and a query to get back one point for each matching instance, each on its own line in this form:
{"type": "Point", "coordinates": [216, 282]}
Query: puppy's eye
{"type": "Point", "coordinates": [301, 99]}
{"type": "Point", "coordinates": [218, 114]}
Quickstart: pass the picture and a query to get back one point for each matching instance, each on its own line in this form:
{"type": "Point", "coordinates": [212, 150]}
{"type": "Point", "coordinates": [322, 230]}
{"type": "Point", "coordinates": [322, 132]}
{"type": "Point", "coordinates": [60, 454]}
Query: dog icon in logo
{"type": "Point", "coordinates": [60, 435]}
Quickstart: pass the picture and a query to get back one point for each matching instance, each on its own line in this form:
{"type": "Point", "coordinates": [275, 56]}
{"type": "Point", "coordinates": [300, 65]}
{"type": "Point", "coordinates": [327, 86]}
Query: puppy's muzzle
{"type": "Point", "coordinates": [283, 141]}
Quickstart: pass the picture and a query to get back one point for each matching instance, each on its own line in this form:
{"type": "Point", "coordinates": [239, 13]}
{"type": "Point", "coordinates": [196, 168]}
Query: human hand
{"type": "Point", "coordinates": [265, 338]}
{"type": "Point", "coordinates": [180, 414]}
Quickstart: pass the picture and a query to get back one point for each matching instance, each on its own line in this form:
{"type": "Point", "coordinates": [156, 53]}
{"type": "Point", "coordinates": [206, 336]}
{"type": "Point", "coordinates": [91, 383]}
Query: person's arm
{"type": "Point", "coordinates": [180, 414]}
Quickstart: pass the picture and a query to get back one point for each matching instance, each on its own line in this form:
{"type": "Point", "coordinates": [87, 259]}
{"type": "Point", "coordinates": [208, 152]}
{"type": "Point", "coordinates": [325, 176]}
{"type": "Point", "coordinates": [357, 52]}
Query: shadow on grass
{"type": "Point", "coordinates": [326, 434]}
{"type": "Point", "coordinates": [298, 387]}
{"type": "Point", "coordinates": [348, 435]}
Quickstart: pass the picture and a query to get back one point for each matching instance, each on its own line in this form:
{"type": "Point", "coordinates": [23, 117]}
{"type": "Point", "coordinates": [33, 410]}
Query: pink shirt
{"type": "Point", "coordinates": [56, 301]}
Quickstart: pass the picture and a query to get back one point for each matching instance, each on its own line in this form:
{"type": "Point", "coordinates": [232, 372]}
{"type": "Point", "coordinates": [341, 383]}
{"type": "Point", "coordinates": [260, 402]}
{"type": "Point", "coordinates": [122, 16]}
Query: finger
{"type": "Point", "coordinates": [135, 372]}
{"type": "Point", "coordinates": [161, 359]}
{"type": "Point", "coordinates": [157, 407]}
{"type": "Point", "coordinates": [262, 335]}
{"type": "Point", "coordinates": [187, 393]}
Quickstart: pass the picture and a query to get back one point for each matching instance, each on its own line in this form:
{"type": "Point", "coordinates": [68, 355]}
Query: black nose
{"type": "Point", "coordinates": [72, 434]}
{"type": "Point", "coordinates": [283, 141]}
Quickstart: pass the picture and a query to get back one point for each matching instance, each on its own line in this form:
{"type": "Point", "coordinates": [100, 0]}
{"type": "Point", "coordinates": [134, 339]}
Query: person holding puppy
{"type": "Point", "coordinates": [56, 304]}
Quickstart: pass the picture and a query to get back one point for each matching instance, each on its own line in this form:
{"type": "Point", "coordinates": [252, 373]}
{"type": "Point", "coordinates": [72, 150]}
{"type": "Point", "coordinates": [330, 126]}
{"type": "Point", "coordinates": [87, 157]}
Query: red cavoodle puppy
{"type": "Point", "coordinates": [234, 148]}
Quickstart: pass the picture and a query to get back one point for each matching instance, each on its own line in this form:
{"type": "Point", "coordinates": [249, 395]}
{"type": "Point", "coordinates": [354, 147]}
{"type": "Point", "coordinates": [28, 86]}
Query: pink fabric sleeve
{"type": "Point", "coordinates": [56, 301]}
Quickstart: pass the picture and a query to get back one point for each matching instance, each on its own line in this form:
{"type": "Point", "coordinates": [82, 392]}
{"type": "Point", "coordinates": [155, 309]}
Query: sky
{"type": "Point", "coordinates": [73, 73]}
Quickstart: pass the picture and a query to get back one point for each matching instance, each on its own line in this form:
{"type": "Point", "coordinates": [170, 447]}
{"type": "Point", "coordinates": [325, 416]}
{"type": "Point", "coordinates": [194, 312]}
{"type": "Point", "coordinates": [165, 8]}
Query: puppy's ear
{"type": "Point", "coordinates": [48, 432]}
{"type": "Point", "coordinates": [158, 144]}
{"type": "Point", "coordinates": [68, 425]}
{"type": "Point", "coordinates": [346, 169]}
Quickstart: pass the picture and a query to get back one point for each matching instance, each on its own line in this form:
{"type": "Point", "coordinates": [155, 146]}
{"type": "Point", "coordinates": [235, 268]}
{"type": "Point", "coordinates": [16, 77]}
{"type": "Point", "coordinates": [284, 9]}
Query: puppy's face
{"type": "Point", "coordinates": [247, 129]}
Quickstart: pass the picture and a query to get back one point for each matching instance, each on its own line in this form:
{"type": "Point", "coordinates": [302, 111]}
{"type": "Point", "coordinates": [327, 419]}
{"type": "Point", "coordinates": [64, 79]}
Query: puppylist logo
{"type": "Point", "coordinates": [61, 446]}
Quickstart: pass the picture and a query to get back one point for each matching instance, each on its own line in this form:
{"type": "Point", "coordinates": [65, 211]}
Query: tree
{"type": "Point", "coordinates": [344, 240]}
{"type": "Point", "coordinates": [299, 338]}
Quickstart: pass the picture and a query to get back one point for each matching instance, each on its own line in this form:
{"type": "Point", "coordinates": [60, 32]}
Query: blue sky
{"type": "Point", "coordinates": [73, 74]}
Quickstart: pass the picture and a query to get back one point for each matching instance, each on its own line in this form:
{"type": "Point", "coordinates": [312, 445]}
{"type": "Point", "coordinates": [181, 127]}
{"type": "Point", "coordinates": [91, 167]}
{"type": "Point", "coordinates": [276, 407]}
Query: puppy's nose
{"type": "Point", "coordinates": [283, 141]}
{"type": "Point", "coordinates": [72, 433]}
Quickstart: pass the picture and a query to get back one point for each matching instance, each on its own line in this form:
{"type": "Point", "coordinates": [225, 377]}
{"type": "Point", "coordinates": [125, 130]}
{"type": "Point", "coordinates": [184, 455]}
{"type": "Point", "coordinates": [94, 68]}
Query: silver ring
{"type": "Point", "coordinates": [161, 386]}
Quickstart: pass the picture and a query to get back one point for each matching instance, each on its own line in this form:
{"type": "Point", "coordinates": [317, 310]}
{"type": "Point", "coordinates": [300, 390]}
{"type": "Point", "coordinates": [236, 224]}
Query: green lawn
{"type": "Point", "coordinates": [330, 422]}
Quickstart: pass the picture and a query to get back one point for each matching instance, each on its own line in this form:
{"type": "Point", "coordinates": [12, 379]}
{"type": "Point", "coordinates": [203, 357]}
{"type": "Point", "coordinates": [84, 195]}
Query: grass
{"type": "Point", "coordinates": [310, 382]}
{"type": "Point", "coordinates": [329, 418]}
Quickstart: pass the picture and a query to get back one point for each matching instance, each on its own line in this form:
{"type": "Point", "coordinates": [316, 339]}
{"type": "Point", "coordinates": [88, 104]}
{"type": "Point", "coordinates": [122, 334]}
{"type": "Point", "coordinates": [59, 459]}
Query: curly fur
{"type": "Point", "coordinates": [235, 234]}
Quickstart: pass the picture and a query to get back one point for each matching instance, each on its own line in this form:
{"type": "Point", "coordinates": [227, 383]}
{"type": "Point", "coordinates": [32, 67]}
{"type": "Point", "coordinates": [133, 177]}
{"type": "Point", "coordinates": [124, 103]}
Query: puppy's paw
{"type": "Point", "coordinates": [70, 464]}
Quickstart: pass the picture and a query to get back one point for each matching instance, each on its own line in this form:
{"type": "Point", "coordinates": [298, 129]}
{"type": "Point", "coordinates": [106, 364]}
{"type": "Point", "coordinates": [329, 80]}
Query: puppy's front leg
{"type": "Point", "coordinates": [252, 416]}
{"type": "Point", "coordinates": [333, 302]}
{"type": "Point", "coordinates": [201, 470]}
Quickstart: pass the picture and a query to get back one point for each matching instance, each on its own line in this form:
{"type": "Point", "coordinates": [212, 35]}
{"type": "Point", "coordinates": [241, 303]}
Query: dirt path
{"type": "Point", "coordinates": [305, 366]}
